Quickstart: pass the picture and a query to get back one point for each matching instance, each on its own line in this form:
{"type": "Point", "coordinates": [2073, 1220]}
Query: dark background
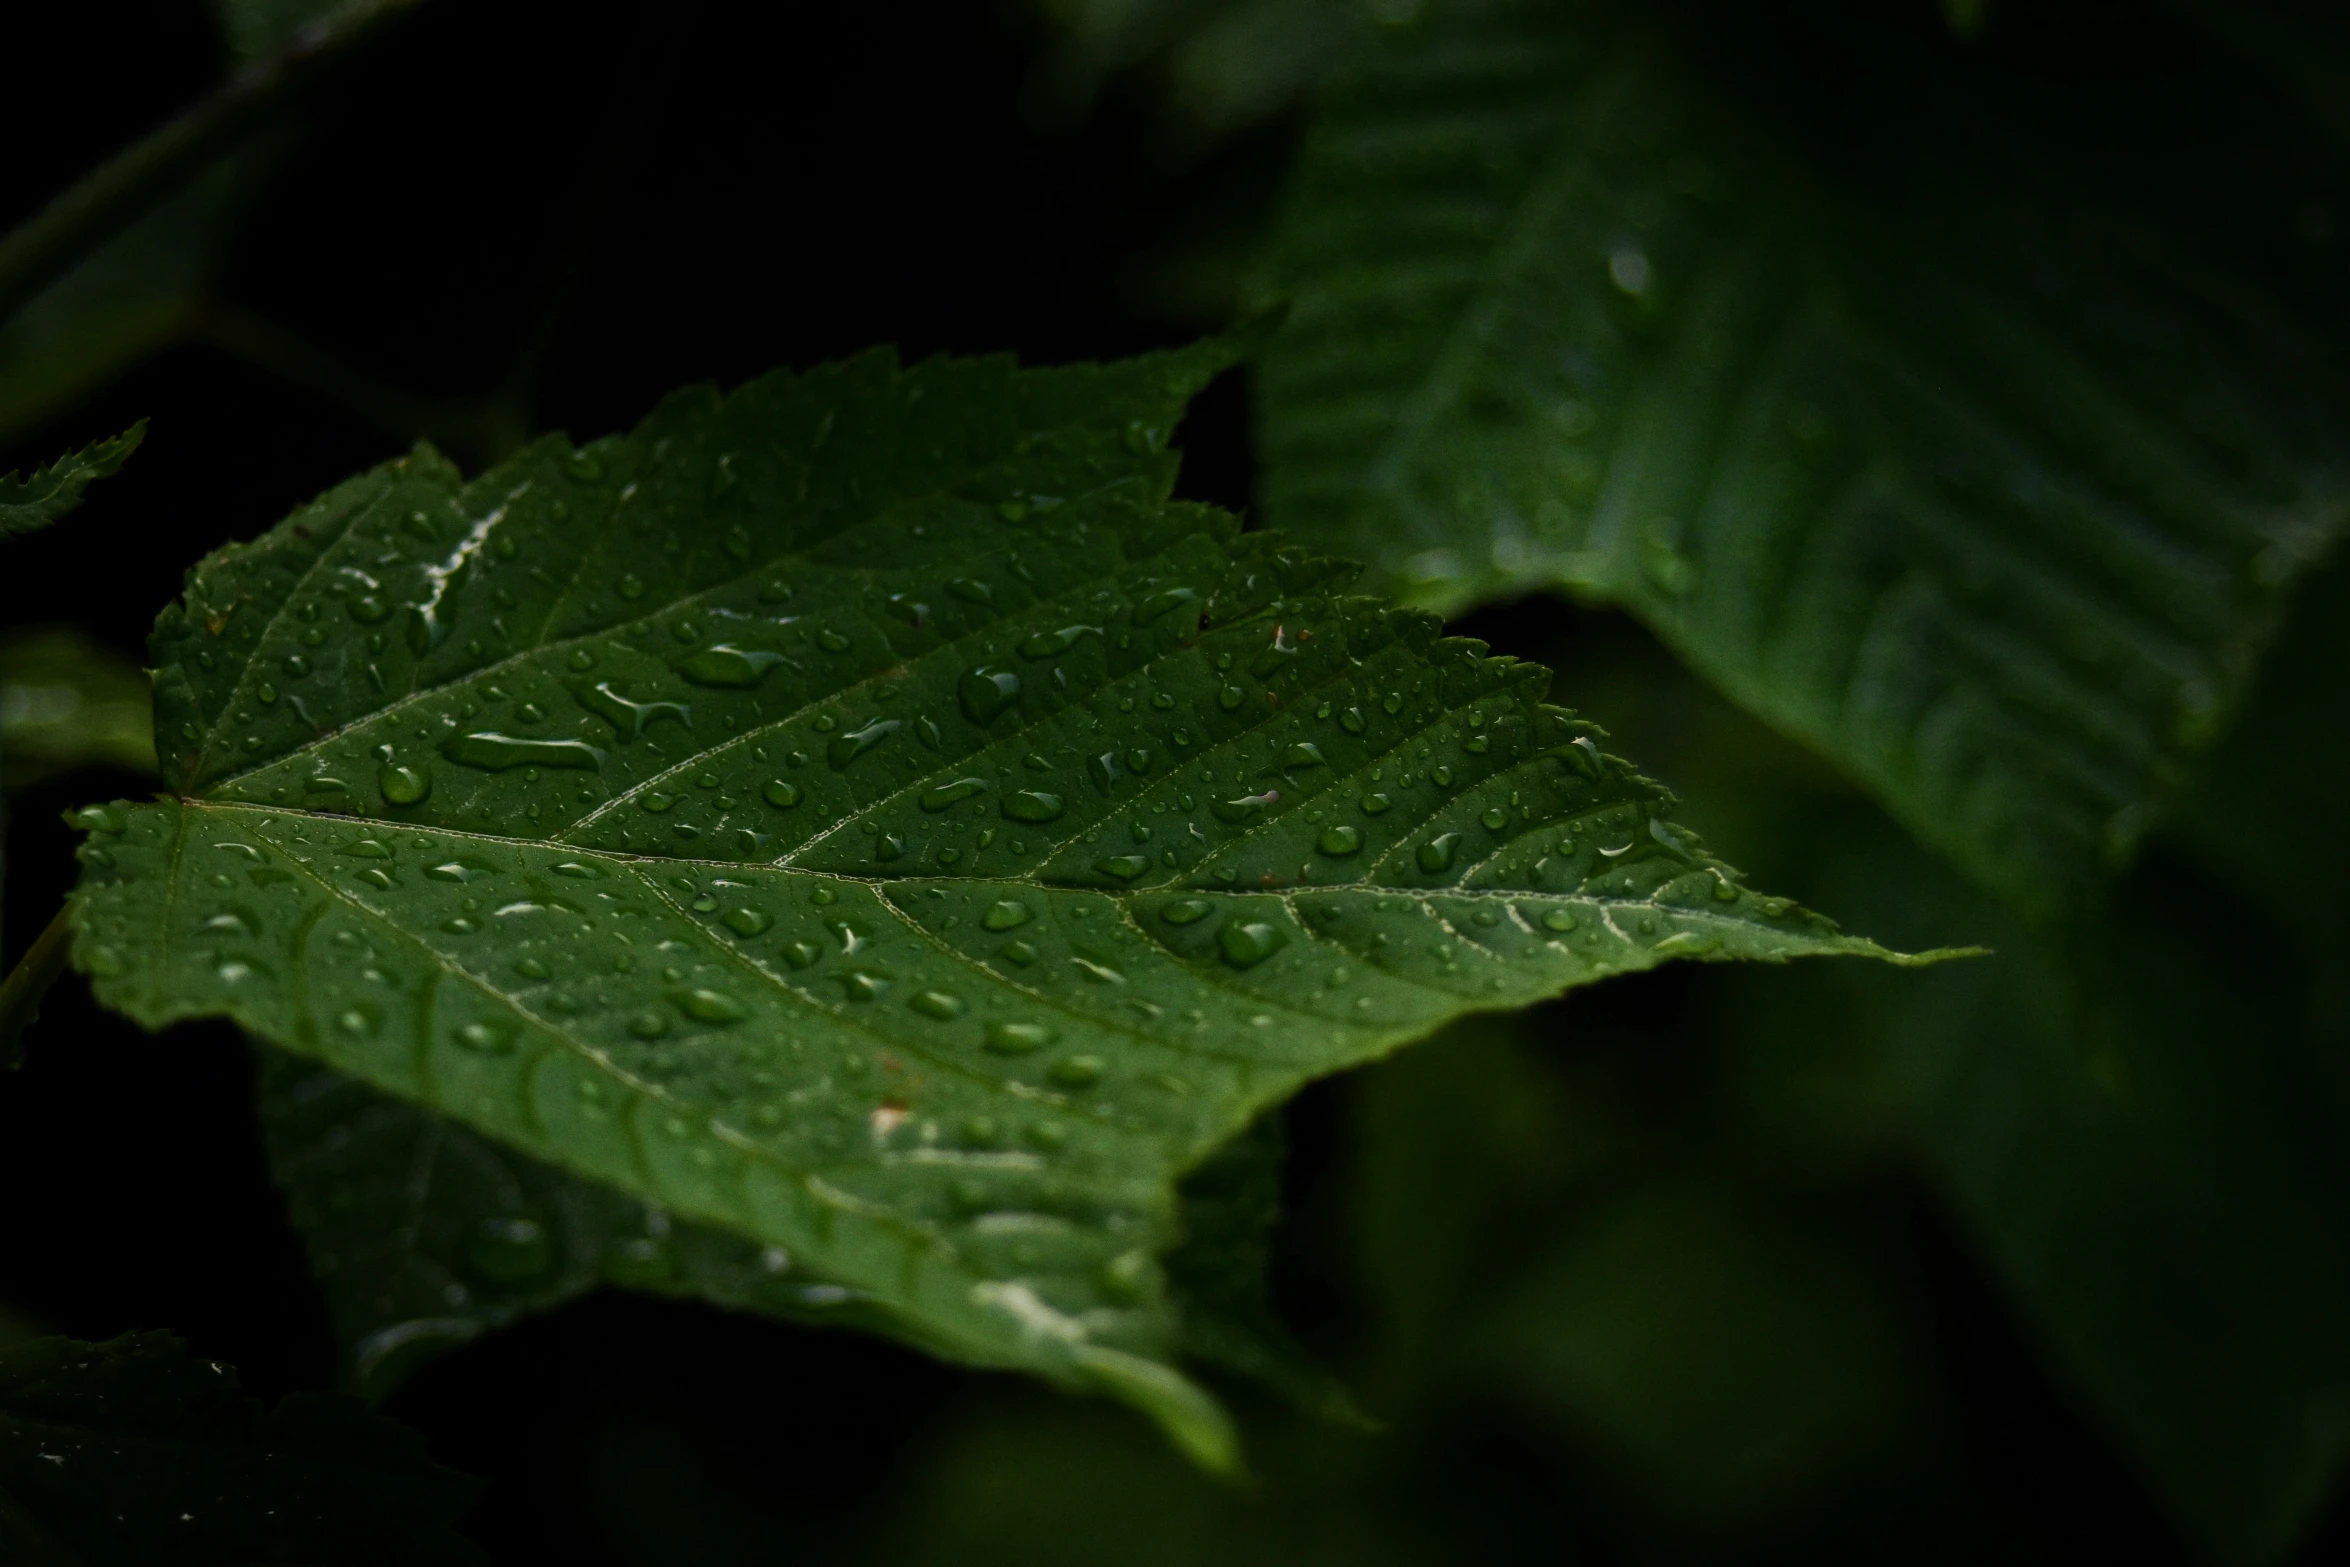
{"type": "Point", "coordinates": [512, 216]}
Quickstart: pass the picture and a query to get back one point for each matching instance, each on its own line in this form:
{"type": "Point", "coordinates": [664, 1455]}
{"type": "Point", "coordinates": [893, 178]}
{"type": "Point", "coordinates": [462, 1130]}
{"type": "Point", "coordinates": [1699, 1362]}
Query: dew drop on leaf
{"type": "Point", "coordinates": [708, 1006]}
{"type": "Point", "coordinates": [489, 1037]}
{"type": "Point", "coordinates": [1246, 943]}
{"type": "Point", "coordinates": [938, 1004]}
{"type": "Point", "coordinates": [940, 796]}
{"type": "Point", "coordinates": [1013, 1039]}
{"type": "Point", "coordinates": [403, 785]}
{"type": "Point", "coordinates": [986, 691]}
{"type": "Point", "coordinates": [1009, 914]}
{"type": "Point", "coordinates": [1436, 853]}
{"type": "Point", "coordinates": [780, 793]}
{"type": "Point", "coordinates": [1033, 805]}
{"type": "Point", "coordinates": [1187, 911]}
{"type": "Point", "coordinates": [848, 746]}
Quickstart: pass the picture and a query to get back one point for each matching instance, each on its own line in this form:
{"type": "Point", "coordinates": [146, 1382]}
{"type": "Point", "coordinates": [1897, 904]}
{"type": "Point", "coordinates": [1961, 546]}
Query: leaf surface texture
{"type": "Point", "coordinates": [1969, 429]}
{"type": "Point", "coordinates": [865, 814]}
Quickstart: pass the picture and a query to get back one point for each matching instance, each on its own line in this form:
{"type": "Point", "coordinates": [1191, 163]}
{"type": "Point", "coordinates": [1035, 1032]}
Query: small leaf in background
{"type": "Point", "coordinates": [133, 1452]}
{"type": "Point", "coordinates": [862, 812]}
{"type": "Point", "coordinates": [66, 704]}
{"type": "Point", "coordinates": [49, 493]}
{"type": "Point", "coordinates": [1968, 423]}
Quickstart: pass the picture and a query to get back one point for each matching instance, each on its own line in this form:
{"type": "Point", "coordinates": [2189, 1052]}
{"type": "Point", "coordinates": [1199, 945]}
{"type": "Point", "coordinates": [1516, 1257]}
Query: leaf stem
{"type": "Point", "coordinates": [109, 197]}
{"type": "Point", "coordinates": [29, 981]}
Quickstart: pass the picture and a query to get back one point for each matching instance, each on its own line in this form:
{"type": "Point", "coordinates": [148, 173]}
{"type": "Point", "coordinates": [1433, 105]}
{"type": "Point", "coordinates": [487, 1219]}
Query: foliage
{"type": "Point", "coordinates": [856, 852]}
{"type": "Point", "coordinates": [132, 1452]}
{"type": "Point", "coordinates": [51, 492]}
{"type": "Point", "coordinates": [1106, 792]}
{"type": "Point", "coordinates": [1954, 452]}
{"type": "Point", "coordinates": [66, 704]}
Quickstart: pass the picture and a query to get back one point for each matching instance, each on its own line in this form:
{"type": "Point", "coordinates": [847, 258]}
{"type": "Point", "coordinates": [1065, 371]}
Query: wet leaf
{"type": "Point", "coordinates": [610, 804]}
{"type": "Point", "coordinates": [49, 493]}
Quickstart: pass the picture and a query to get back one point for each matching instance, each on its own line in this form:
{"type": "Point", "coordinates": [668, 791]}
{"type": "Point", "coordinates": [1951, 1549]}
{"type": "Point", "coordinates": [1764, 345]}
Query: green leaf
{"type": "Point", "coordinates": [1220, 1279]}
{"type": "Point", "coordinates": [2144, 1130]}
{"type": "Point", "coordinates": [863, 813]}
{"type": "Point", "coordinates": [67, 703]}
{"type": "Point", "coordinates": [133, 1452]}
{"type": "Point", "coordinates": [425, 1235]}
{"type": "Point", "coordinates": [51, 492]}
{"type": "Point", "coordinates": [1966, 424]}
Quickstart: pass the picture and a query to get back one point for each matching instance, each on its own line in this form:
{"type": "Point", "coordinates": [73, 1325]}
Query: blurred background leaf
{"type": "Point", "coordinates": [67, 703]}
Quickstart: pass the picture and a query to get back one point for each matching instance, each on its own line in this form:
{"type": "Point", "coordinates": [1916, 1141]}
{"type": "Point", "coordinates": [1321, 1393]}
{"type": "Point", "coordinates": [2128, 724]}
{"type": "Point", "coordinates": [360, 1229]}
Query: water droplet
{"type": "Point", "coordinates": [369, 609]}
{"type": "Point", "coordinates": [1151, 606]}
{"type": "Point", "coordinates": [1392, 702]}
{"type": "Point", "coordinates": [1125, 867]}
{"type": "Point", "coordinates": [655, 803]}
{"type": "Point", "coordinates": [1075, 1071]}
{"type": "Point", "coordinates": [490, 1036]}
{"type": "Point", "coordinates": [729, 666]}
{"type": "Point", "coordinates": [1230, 698]}
{"type": "Point", "coordinates": [800, 954]}
{"type": "Point", "coordinates": [1020, 952]}
{"type": "Point", "coordinates": [631, 586]}
{"type": "Point", "coordinates": [971, 590]}
{"type": "Point", "coordinates": [986, 692]}
{"type": "Point", "coordinates": [780, 794]}
{"type": "Point", "coordinates": [1558, 919]}
{"type": "Point", "coordinates": [509, 1251]}
{"type": "Point", "coordinates": [708, 1006]}
{"type": "Point", "coordinates": [1304, 754]}
{"type": "Point", "coordinates": [629, 719]}
{"type": "Point", "coordinates": [1033, 805]}
{"type": "Point", "coordinates": [103, 818]}
{"type": "Point", "coordinates": [1246, 943]}
{"type": "Point", "coordinates": [832, 641]}
{"type": "Point", "coordinates": [940, 796]}
{"type": "Point", "coordinates": [851, 744]}
{"type": "Point", "coordinates": [1247, 808]}
{"type": "Point", "coordinates": [649, 1025]}
{"type": "Point", "coordinates": [1436, 854]}
{"type": "Point", "coordinates": [104, 962]}
{"type": "Point", "coordinates": [1014, 1039]}
{"type": "Point", "coordinates": [456, 870]}
{"type": "Point", "coordinates": [1686, 944]}
{"type": "Point", "coordinates": [582, 872]}
{"type": "Point", "coordinates": [1009, 914]}
{"type": "Point", "coordinates": [748, 922]}
{"type": "Point", "coordinates": [496, 752]}
{"type": "Point", "coordinates": [361, 1019]}
{"type": "Point", "coordinates": [1046, 644]}
{"type": "Point", "coordinates": [1186, 912]}
{"type": "Point", "coordinates": [1495, 818]}
{"type": "Point", "coordinates": [403, 785]}
{"type": "Point", "coordinates": [939, 1004]}
{"type": "Point", "coordinates": [1442, 774]}
{"type": "Point", "coordinates": [862, 986]}
{"type": "Point", "coordinates": [1340, 840]}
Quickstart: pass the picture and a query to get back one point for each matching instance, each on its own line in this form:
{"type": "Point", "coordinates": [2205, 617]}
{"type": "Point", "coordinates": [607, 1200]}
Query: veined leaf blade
{"type": "Point", "coordinates": [1978, 458]}
{"type": "Point", "coordinates": [864, 814]}
{"type": "Point", "coordinates": [28, 504]}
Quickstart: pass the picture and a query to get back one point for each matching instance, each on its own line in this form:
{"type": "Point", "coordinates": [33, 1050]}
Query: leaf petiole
{"type": "Point", "coordinates": [29, 981]}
